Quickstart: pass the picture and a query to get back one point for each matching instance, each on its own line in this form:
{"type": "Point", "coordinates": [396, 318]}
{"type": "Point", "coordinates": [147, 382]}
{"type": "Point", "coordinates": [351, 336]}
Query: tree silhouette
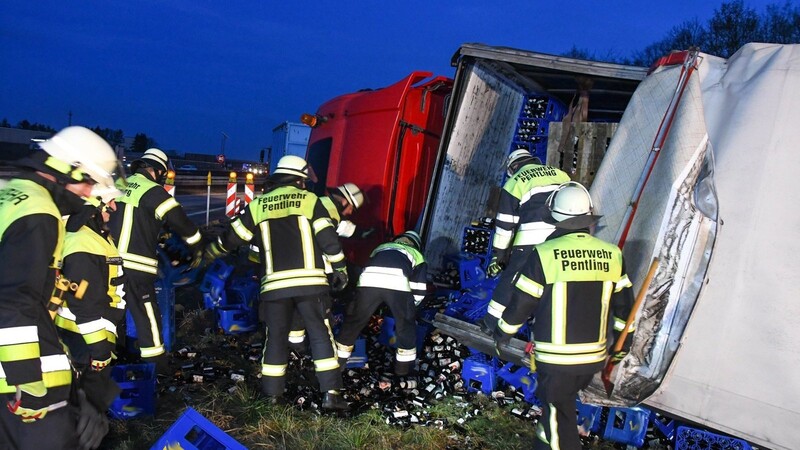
{"type": "Point", "coordinates": [141, 143]}
{"type": "Point", "coordinates": [114, 137]}
{"type": "Point", "coordinates": [732, 25]}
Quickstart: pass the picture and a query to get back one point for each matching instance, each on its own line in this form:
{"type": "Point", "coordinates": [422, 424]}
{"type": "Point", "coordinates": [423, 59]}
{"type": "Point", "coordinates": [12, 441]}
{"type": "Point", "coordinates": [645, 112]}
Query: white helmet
{"type": "Point", "coordinates": [569, 200]}
{"type": "Point", "coordinates": [292, 165]}
{"type": "Point", "coordinates": [410, 237]}
{"type": "Point", "coordinates": [106, 193]}
{"type": "Point", "coordinates": [518, 158]}
{"type": "Point", "coordinates": [87, 155]}
{"type": "Point", "coordinates": [352, 194]}
{"type": "Point", "coordinates": [155, 158]}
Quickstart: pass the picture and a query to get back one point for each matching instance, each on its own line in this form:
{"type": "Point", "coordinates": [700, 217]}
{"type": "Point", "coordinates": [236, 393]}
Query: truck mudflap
{"type": "Point", "coordinates": [471, 336]}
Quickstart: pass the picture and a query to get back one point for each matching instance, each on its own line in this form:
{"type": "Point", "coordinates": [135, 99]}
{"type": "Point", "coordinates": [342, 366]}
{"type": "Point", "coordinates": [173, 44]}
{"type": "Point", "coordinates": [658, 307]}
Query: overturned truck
{"type": "Point", "coordinates": [700, 174]}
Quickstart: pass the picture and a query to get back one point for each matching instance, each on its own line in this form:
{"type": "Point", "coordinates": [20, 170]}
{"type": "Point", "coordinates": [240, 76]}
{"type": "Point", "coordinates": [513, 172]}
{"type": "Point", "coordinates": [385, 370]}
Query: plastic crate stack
{"type": "Point", "coordinates": [533, 123]}
{"type": "Point", "coordinates": [234, 300]}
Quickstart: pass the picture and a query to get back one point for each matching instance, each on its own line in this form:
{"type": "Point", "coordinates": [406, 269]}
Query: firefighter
{"type": "Point", "coordinates": [576, 288]}
{"type": "Point", "coordinates": [36, 377]}
{"type": "Point", "coordinates": [87, 321]}
{"type": "Point", "coordinates": [293, 231]}
{"type": "Point", "coordinates": [341, 203]}
{"type": "Point", "coordinates": [521, 222]}
{"type": "Point", "coordinates": [396, 274]}
{"type": "Point", "coordinates": [142, 211]}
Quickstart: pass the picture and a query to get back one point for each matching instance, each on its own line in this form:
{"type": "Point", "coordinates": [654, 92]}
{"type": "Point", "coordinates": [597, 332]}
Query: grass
{"type": "Point", "coordinates": [463, 423]}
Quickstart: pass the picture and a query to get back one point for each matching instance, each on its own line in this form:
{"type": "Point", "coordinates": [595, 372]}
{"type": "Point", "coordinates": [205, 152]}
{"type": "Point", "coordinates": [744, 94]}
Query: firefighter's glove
{"type": "Point", "coordinates": [346, 229]}
{"type": "Point", "coordinates": [213, 251]}
{"type": "Point", "coordinates": [501, 340]}
{"type": "Point", "coordinates": [197, 257]}
{"type": "Point", "coordinates": [92, 424]}
{"type": "Point", "coordinates": [339, 279]}
{"type": "Point", "coordinates": [495, 267]}
{"type": "Point", "coordinates": [617, 357]}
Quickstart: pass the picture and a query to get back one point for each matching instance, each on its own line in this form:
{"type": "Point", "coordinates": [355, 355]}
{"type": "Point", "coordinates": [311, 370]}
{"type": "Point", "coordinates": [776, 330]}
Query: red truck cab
{"type": "Point", "coordinates": [385, 141]}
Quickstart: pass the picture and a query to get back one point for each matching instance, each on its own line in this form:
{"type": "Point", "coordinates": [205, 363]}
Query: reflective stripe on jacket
{"type": "Point", "coordinates": [519, 216]}
{"type": "Point", "coordinates": [398, 267]}
{"type": "Point", "coordinates": [31, 237]}
{"type": "Point", "coordinates": [573, 285]}
{"type": "Point", "coordinates": [141, 213]}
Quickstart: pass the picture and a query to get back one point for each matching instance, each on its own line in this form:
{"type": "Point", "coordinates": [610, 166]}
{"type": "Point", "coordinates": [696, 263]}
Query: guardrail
{"type": "Point", "coordinates": [181, 179]}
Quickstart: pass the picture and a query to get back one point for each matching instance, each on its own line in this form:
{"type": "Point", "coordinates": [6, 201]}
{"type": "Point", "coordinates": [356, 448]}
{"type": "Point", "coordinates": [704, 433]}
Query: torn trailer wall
{"type": "Point", "coordinates": [716, 338]}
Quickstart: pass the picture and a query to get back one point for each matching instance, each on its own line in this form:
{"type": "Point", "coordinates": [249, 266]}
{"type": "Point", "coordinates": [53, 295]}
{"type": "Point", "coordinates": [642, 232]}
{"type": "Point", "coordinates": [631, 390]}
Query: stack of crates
{"type": "Point", "coordinates": [533, 123]}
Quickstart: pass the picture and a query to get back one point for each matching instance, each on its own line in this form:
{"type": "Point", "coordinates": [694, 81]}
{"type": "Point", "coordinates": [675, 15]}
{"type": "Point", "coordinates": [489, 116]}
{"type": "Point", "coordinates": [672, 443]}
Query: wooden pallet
{"type": "Point", "coordinates": [589, 143]}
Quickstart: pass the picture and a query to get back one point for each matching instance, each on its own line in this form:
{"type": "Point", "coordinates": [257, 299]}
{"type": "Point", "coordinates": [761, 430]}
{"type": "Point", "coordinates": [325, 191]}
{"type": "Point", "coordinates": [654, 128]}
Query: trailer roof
{"type": "Point", "coordinates": [611, 85]}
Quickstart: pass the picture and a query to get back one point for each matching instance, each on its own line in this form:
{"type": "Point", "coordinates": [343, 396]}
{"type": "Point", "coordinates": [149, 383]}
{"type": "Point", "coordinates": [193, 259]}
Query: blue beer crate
{"type": "Point", "coordinates": [470, 271]}
{"type": "Point", "coordinates": [358, 359]}
{"type": "Point", "coordinates": [138, 390]}
{"type": "Point", "coordinates": [236, 319]}
{"type": "Point", "coordinates": [193, 431]}
{"type": "Point", "coordinates": [693, 439]}
{"type": "Point", "coordinates": [588, 416]}
{"type": "Point", "coordinates": [214, 293]}
{"type": "Point", "coordinates": [388, 338]}
{"type": "Point", "coordinates": [479, 374]}
{"type": "Point", "coordinates": [627, 425]}
{"type": "Point", "coordinates": [522, 379]}
{"type": "Point", "coordinates": [243, 291]}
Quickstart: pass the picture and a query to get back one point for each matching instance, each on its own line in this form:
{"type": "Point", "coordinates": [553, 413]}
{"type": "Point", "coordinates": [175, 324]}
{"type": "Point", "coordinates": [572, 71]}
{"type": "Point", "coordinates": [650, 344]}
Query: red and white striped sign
{"type": "Point", "coordinates": [248, 193]}
{"type": "Point", "coordinates": [230, 201]}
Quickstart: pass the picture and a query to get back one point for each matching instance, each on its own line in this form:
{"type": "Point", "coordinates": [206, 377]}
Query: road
{"type": "Point", "coordinates": [195, 206]}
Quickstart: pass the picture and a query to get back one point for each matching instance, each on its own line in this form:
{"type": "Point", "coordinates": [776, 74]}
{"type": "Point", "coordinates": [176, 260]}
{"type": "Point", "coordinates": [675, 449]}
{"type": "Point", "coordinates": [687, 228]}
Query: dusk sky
{"type": "Point", "coordinates": [184, 72]}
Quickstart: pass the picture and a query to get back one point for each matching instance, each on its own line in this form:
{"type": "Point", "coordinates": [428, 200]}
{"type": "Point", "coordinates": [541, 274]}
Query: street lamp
{"type": "Point", "coordinates": [224, 138]}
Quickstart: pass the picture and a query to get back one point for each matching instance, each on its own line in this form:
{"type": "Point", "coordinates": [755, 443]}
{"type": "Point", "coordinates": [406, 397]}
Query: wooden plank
{"type": "Point", "coordinates": [471, 335]}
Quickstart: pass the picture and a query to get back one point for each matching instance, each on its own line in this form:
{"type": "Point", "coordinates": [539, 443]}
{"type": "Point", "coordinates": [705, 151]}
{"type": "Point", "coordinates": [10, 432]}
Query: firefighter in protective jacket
{"type": "Point", "coordinates": [293, 232]}
{"type": "Point", "coordinates": [142, 211]}
{"type": "Point", "coordinates": [521, 222]}
{"type": "Point", "coordinates": [88, 319]}
{"type": "Point", "coordinates": [576, 288]}
{"type": "Point", "coordinates": [396, 274]}
{"type": "Point", "coordinates": [340, 203]}
{"type": "Point", "coordinates": [36, 377]}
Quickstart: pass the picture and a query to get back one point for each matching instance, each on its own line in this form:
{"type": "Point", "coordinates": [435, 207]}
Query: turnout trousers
{"type": "Point", "coordinates": [143, 306]}
{"type": "Point", "coordinates": [558, 426]}
{"type": "Point", "coordinates": [358, 313]}
{"type": "Point", "coordinates": [277, 314]}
